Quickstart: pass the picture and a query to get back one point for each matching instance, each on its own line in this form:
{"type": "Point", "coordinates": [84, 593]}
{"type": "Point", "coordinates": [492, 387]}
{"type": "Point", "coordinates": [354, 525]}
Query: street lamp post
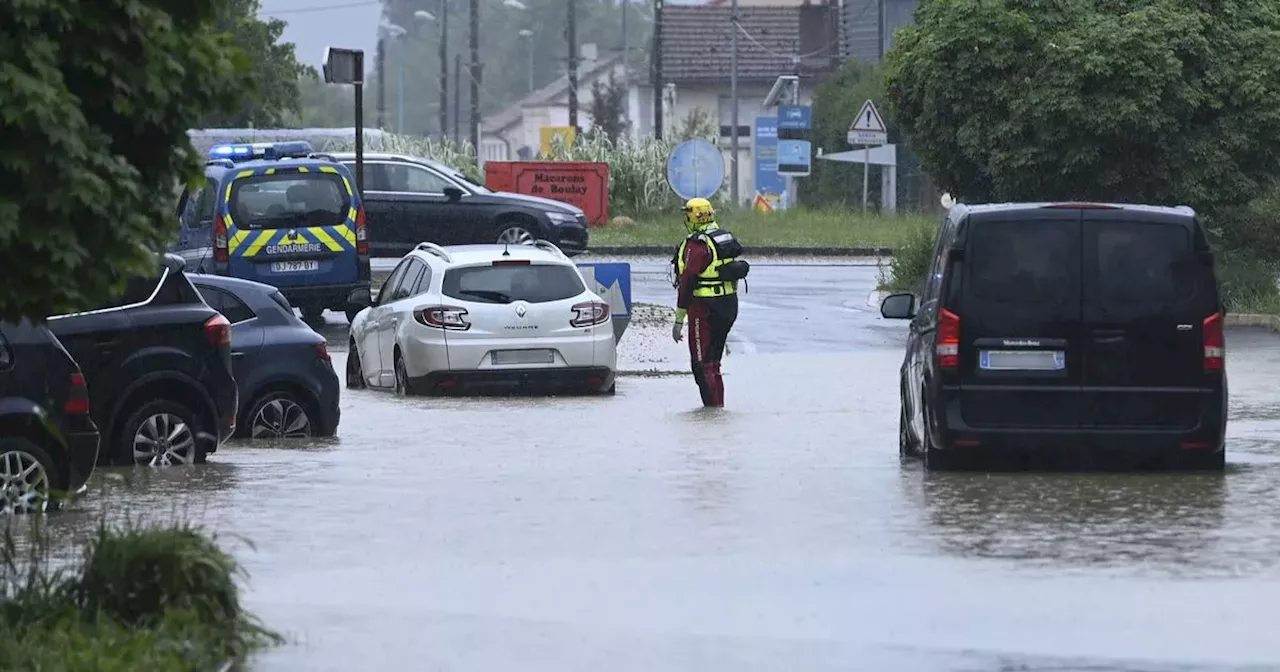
{"type": "Point", "coordinates": [395, 33]}
{"type": "Point", "coordinates": [527, 36]}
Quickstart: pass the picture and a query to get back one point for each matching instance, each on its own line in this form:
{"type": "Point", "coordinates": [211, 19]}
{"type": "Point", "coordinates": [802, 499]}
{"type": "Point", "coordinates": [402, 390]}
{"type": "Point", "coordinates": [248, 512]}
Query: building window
{"type": "Point", "coordinates": [747, 112]}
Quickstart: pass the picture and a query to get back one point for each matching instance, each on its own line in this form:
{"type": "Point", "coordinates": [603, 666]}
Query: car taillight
{"type": "Point", "coordinates": [220, 241]}
{"type": "Point", "coordinates": [452, 318]}
{"type": "Point", "coordinates": [78, 398]}
{"type": "Point", "coordinates": [362, 233]}
{"type": "Point", "coordinates": [1215, 343]}
{"type": "Point", "coordinates": [589, 314]}
{"type": "Point", "coordinates": [947, 341]}
{"type": "Point", "coordinates": [322, 350]}
{"type": "Point", "coordinates": [218, 329]}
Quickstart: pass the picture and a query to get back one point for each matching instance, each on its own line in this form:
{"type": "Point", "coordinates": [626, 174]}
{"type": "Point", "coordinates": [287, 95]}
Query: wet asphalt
{"type": "Point", "coordinates": [641, 532]}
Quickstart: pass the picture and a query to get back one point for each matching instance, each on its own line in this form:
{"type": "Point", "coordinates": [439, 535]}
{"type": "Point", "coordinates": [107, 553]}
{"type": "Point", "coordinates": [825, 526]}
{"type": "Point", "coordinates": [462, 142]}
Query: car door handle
{"type": "Point", "coordinates": [237, 355]}
{"type": "Point", "coordinates": [106, 345]}
{"type": "Point", "coordinates": [1108, 332]}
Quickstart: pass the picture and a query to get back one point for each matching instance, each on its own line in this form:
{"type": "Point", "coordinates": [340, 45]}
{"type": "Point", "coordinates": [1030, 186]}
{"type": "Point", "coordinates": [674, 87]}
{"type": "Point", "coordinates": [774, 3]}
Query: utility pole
{"type": "Point", "coordinates": [656, 60]}
{"type": "Point", "coordinates": [444, 69]}
{"type": "Point", "coordinates": [457, 98]}
{"type": "Point", "coordinates": [382, 82]}
{"type": "Point", "coordinates": [733, 95]}
{"type": "Point", "coordinates": [475, 79]}
{"type": "Point", "coordinates": [572, 29]}
{"type": "Point", "coordinates": [626, 41]}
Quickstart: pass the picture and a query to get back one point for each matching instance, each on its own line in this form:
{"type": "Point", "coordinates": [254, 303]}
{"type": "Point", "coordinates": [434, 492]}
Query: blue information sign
{"type": "Point", "coordinates": [798, 117]}
{"type": "Point", "coordinates": [793, 157]}
{"type": "Point", "coordinates": [613, 283]}
{"type": "Point", "coordinates": [695, 169]}
{"type": "Point", "coordinates": [768, 182]}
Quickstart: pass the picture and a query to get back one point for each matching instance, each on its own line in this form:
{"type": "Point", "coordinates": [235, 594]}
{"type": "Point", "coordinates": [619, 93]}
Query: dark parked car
{"type": "Point", "coordinates": [158, 364]}
{"type": "Point", "coordinates": [48, 441]}
{"type": "Point", "coordinates": [288, 388]}
{"type": "Point", "coordinates": [1066, 326]}
{"type": "Point", "coordinates": [410, 200]}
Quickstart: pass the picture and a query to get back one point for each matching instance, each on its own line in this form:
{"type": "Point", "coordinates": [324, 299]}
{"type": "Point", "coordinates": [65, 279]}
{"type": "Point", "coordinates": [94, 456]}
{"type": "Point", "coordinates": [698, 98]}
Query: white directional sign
{"type": "Point", "coordinates": [868, 127]}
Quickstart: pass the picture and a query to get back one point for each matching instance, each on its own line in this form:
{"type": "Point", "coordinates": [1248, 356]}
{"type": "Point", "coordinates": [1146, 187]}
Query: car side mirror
{"type": "Point", "coordinates": [452, 193]}
{"type": "Point", "coordinates": [898, 307]}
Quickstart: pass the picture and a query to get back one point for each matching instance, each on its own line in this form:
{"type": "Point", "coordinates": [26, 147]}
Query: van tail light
{"type": "Point", "coordinates": [78, 399]}
{"type": "Point", "coordinates": [322, 350]}
{"type": "Point", "coordinates": [218, 329]}
{"type": "Point", "coordinates": [451, 318]}
{"type": "Point", "coordinates": [362, 233]}
{"type": "Point", "coordinates": [1215, 343]}
{"type": "Point", "coordinates": [947, 344]}
{"type": "Point", "coordinates": [589, 314]}
{"type": "Point", "coordinates": [220, 253]}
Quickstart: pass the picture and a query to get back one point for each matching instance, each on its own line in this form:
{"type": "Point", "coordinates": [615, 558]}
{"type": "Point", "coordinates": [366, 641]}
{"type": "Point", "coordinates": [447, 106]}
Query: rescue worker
{"type": "Point", "coordinates": [708, 269]}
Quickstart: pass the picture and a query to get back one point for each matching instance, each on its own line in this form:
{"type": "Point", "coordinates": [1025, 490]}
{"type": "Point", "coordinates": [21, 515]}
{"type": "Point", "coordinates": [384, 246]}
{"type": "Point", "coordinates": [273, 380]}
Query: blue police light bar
{"type": "Point", "coordinates": [296, 149]}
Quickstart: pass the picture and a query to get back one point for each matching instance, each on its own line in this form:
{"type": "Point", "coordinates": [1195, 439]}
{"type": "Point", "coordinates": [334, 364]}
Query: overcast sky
{"type": "Point", "coordinates": [316, 24]}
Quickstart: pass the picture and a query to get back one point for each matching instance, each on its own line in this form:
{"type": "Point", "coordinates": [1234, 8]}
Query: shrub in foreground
{"type": "Point", "coordinates": [141, 598]}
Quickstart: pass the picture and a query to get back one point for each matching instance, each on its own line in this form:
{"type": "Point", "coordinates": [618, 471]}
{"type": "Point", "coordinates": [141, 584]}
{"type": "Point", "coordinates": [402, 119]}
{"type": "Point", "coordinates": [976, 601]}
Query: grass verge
{"type": "Point", "coordinates": [790, 228]}
{"type": "Point", "coordinates": [158, 598]}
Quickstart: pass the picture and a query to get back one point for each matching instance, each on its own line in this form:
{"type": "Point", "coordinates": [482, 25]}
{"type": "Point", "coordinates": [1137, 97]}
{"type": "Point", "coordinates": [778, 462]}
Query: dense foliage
{"type": "Point", "coordinates": [1162, 101]}
{"type": "Point", "coordinates": [835, 104]}
{"type": "Point", "coordinates": [97, 100]}
{"type": "Point", "coordinates": [608, 108]}
{"type": "Point", "coordinates": [141, 598]}
{"type": "Point", "coordinates": [276, 71]}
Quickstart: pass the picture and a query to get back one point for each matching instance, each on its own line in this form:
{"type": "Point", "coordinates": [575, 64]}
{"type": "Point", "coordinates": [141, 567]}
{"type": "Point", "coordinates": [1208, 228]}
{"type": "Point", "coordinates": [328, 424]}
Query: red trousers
{"type": "Point", "coordinates": [709, 323]}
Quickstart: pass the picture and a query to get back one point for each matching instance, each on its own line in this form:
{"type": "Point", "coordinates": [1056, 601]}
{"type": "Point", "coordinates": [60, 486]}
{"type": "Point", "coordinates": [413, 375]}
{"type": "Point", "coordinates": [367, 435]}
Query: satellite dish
{"type": "Point", "coordinates": [947, 201]}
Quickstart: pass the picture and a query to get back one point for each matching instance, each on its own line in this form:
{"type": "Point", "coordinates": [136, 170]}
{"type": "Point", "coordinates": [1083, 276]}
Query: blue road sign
{"type": "Point", "coordinates": [695, 169]}
{"type": "Point", "coordinates": [768, 181]}
{"type": "Point", "coordinates": [795, 117]}
{"type": "Point", "coordinates": [613, 283]}
{"type": "Point", "coordinates": [794, 157]}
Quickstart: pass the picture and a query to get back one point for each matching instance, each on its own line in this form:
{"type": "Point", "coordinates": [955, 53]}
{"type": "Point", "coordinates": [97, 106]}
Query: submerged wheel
{"type": "Point", "coordinates": [906, 447]}
{"type": "Point", "coordinates": [355, 372]}
{"type": "Point", "coordinates": [280, 415]}
{"type": "Point", "coordinates": [162, 433]}
{"type": "Point", "coordinates": [404, 386]}
{"type": "Point", "coordinates": [26, 477]}
{"type": "Point", "coordinates": [313, 313]}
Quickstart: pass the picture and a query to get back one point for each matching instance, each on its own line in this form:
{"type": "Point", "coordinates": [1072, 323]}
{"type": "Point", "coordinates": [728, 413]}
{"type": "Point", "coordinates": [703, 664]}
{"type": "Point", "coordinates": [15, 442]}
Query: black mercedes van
{"type": "Point", "coordinates": [1063, 327]}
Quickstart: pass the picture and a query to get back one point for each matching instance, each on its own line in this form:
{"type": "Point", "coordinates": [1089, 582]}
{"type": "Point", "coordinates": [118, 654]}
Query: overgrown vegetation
{"type": "Point", "coordinates": [140, 598]}
{"type": "Point", "coordinates": [608, 108]}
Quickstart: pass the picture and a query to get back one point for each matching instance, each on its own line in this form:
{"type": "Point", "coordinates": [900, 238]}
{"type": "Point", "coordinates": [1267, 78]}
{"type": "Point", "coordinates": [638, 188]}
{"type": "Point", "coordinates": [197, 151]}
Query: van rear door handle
{"type": "Point", "coordinates": [237, 355]}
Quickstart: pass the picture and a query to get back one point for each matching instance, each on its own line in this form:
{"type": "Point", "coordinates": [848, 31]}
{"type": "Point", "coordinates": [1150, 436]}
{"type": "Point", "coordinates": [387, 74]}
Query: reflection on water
{"type": "Point", "coordinates": [1147, 524]}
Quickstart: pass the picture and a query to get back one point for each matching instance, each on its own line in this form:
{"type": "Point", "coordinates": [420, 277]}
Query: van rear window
{"type": "Point", "coordinates": [1025, 262]}
{"type": "Point", "coordinates": [1144, 262]}
{"type": "Point", "coordinates": [534, 283]}
{"type": "Point", "coordinates": [289, 200]}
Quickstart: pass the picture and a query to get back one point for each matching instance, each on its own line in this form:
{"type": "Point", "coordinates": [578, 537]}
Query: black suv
{"type": "Point", "coordinates": [158, 364]}
{"type": "Point", "coordinates": [410, 200]}
{"type": "Point", "coordinates": [48, 441]}
{"type": "Point", "coordinates": [1048, 327]}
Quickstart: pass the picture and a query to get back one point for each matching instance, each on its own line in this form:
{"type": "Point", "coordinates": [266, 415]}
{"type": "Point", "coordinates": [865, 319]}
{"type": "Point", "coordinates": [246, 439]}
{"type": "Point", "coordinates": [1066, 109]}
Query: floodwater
{"type": "Point", "coordinates": [640, 532]}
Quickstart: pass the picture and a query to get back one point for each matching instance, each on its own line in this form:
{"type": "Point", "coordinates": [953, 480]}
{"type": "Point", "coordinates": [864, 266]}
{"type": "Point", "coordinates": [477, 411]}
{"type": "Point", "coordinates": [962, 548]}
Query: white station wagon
{"type": "Point", "coordinates": [484, 318]}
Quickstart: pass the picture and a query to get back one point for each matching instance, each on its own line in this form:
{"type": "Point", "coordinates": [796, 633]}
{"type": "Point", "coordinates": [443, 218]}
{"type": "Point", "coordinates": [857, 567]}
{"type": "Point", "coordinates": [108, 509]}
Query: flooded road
{"type": "Point", "coordinates": [641, 532]}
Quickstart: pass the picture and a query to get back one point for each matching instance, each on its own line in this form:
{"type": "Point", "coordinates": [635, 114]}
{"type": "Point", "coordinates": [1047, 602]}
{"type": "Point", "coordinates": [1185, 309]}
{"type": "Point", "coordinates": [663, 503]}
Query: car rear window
{"type": "Point", "coordinates": [534, 283]}
{"type": "Point", "coordinates": [289, 200]}
{"type": "Point", "coordinates": [1144, 262]}
{"type": "Point", "coordinates": [1024, 262]}
{"type": "Point", "coordinates": [282, 302]}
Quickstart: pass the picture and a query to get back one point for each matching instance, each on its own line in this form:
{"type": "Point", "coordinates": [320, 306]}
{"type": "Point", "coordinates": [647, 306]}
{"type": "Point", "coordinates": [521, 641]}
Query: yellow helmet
{"type": "Point", "coordinates": [698, 213]}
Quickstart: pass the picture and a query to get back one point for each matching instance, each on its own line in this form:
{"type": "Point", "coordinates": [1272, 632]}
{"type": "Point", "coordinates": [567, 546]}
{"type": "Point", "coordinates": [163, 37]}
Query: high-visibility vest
{"type": "Point", "coordinates": [708, 283]}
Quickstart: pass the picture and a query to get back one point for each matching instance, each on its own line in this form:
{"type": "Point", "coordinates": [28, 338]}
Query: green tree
{"type": "Point", "coordinates": [276, 70]}
{"type": "Point", "coordinates": [835, 104]}
{"type": "Point", "coordinates": [98, 97]}
{"type": "Point", "coordinates": [1163, 101]}
{"type": "Point", "coordinates": [608, 108]}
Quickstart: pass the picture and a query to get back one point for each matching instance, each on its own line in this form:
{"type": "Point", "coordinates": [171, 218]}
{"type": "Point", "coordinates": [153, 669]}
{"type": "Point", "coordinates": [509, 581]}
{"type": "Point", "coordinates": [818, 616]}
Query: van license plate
{"type": "Point", "coordinates": [294, 266]}
{"type": "Point", "coordinates": [1023, 360]}
{"type": "Point", "coordinates": [501, 357]}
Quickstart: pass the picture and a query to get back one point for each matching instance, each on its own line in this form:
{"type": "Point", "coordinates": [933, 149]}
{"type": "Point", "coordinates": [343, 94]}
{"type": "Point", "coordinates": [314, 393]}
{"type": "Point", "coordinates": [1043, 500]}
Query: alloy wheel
{"type": "Point", "coordinates": [515, 235]}
{"type": "Point", "coordinates": [163, 440]}
{"type": "Point", "coordinates": [24, 483]}
{"type": "Point", "coordinates": [281, 419]}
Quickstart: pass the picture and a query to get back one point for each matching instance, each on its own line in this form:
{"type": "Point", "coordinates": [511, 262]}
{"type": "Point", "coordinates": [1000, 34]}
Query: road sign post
{"type": "Point", "coordinates": [868, 130]}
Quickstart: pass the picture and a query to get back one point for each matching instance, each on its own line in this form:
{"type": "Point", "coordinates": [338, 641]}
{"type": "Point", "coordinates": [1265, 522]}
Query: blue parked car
{"type": "Point", "coordinates": [288, 388]}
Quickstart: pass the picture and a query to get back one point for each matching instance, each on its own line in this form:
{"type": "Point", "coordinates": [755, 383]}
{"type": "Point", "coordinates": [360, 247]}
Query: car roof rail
{"type": "Point", "coordinates": [432, 248]}
{"type": "Point", "coordinates": [323, 156]}
{"type": "Point", "coordinates": [549, 247]}
{"type": "Point", "coordinates": [225, 163]}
